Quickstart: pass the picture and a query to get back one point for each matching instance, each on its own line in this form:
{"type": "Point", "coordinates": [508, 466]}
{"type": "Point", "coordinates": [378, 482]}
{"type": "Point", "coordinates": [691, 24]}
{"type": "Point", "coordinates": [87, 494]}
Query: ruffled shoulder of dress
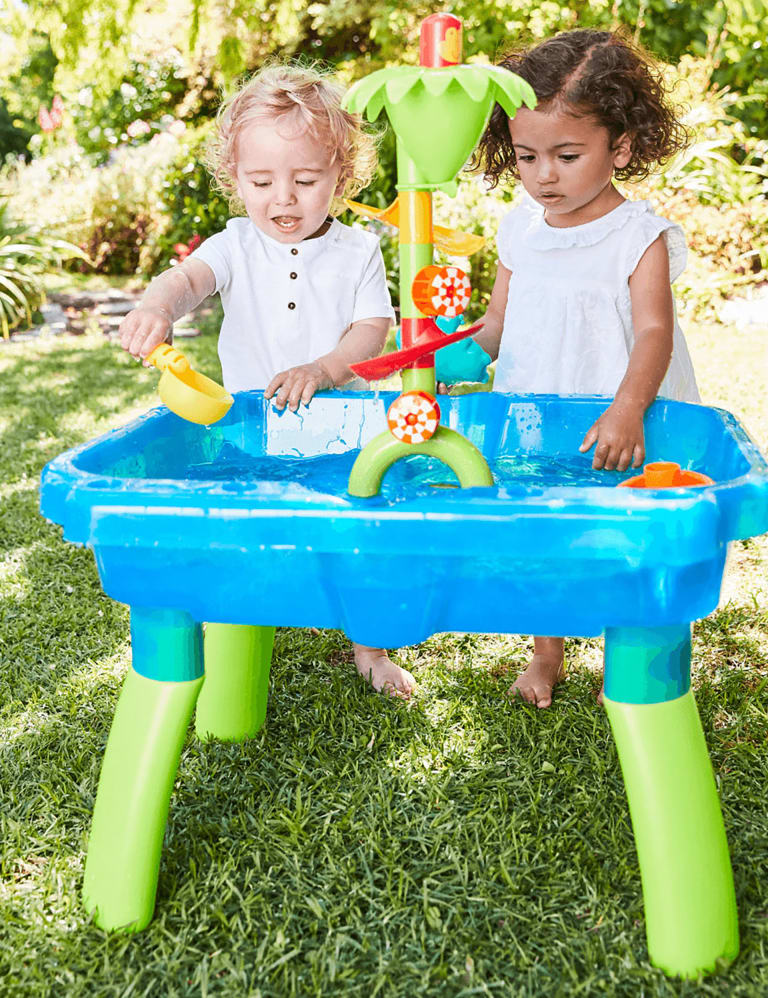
{"type": "Point", "coordinates": [508, 235]}
{"type": "Point", "coordinates": [648, 229]}
{"type": "Point", "coordinates": [537, 234]}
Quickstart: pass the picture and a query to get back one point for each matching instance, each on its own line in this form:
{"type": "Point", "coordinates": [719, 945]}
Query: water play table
{"type": "Point", "coordinates": [248, 523]}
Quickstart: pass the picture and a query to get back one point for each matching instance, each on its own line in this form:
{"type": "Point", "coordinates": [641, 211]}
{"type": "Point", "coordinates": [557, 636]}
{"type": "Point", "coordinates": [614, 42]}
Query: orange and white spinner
{"type": "Point", "coordinates": [443, 291]}
{"type": "Point", "coordinates": [413, 417]}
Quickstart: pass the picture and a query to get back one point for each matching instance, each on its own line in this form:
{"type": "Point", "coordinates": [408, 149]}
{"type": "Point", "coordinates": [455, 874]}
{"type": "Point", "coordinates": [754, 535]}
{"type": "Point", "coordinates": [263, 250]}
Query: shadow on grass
{"type": "Point", "coordinates": [56, 619]}
{"type": "Point", "coordinates": [53, 616]}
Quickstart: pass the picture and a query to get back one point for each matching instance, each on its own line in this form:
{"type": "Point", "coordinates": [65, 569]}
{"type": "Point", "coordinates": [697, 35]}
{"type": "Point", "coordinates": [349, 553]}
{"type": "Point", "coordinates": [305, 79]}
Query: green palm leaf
{"type": "Point", "coordinates": [438, 114]}
{"type": "Point", "coordinates": [401, 85]}
{"type": "Point", "coordinates": [375, 104]}
{"type": "Point", "coordinates": [436, 81]}
{"type": "Point", "coordinates": [391, 86]}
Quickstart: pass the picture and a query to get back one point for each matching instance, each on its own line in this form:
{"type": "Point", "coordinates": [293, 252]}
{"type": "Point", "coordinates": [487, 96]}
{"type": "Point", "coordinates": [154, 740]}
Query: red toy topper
{"type": "Point", "coordinates": [440, 41]}
{"type": "Point", "coordinates": [666, 475]}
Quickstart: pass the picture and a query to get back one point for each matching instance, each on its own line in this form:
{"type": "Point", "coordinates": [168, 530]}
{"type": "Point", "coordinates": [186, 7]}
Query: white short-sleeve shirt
{"type": "Point", "coordinates": [568, 321]}
{"type": "Point", "coordinates": [290, 303]}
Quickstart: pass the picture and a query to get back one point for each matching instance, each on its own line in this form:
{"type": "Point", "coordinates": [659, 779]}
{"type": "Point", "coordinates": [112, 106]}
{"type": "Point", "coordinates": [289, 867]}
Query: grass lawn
{"type": "Point", "coordinates": [461, 845]}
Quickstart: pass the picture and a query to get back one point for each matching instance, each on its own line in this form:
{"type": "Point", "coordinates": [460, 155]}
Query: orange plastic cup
{"type": "Point", "coordinates": [666, 475]}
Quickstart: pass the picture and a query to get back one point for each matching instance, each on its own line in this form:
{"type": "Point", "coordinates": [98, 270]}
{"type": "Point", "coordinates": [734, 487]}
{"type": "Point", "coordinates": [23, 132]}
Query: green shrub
{"type": "Point", "coordinates": [23, 93]}
{"type": "Point", "coordinates": [186, 201]}
{"type": "Point", "coordinates": [128, 214]}
{"type": "Point", "coordinates": [14, 137]}
{"type": "Point", "coordinates": [110, 211]}
{"type": "Point", "coordinates": [717, 191]}
{"type": "Point", "coordinates": [28, 254]}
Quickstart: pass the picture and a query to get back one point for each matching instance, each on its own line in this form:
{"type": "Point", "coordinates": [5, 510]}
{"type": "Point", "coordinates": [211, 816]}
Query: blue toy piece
{"type": "Point", "coordinates": [462, 361]}
{"type": "Point", "coordinates": [191, 524]}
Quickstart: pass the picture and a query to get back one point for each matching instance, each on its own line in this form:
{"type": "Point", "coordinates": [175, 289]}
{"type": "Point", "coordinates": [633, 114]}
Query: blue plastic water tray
{"type": "Point", "coordinates": [249, 521]}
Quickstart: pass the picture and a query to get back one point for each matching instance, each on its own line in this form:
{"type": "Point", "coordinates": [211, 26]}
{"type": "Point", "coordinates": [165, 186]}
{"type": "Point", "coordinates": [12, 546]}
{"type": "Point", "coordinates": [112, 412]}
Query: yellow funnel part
{"type": "Point", "coordinates": [448, 241]}
{"type": "Point", "coordinates": [187, 393]}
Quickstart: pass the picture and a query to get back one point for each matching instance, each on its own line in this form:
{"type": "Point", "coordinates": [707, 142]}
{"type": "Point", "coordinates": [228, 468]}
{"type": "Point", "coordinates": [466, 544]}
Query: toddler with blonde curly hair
{"type": "Point", "coordinates": [304, 296]}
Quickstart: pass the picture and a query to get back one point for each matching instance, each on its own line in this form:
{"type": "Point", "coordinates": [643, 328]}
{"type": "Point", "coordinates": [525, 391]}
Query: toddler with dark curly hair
{"type": "Point", "coordinates": [582, 302]}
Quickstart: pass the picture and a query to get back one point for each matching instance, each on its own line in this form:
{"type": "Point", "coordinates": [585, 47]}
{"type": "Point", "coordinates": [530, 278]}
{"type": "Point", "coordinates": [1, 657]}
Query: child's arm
{"type": "Point", "coordinates": [489, 336]}
{"type": "Point", "coordinates": [363, 339]}
{"type": "Point", "coordinates": [618, 433]}
{"type": "Point", "coordinates": [169, 296]}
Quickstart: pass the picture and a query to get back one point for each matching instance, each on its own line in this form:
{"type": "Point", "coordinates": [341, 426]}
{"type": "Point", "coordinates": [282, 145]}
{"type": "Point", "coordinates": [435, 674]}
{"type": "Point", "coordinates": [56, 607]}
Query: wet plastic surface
{"type": "Point", "coordinates": [248, 521]}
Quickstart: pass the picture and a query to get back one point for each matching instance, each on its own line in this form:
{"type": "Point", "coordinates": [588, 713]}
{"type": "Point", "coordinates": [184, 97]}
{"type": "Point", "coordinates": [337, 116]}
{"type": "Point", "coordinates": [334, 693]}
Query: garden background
{"type": "Point", "coordinates": [457, 846]}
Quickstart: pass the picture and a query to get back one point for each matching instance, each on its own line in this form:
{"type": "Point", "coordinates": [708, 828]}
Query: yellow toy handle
{"type": "Point", "coordinates": [168, 357]}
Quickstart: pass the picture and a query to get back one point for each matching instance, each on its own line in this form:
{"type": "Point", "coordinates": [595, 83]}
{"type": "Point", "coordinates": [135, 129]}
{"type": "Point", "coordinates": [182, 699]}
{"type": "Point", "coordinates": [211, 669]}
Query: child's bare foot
{"type": "Point", "coordinates": [544, 672]}
{"type": "Point", "coordinates": [381, 672]}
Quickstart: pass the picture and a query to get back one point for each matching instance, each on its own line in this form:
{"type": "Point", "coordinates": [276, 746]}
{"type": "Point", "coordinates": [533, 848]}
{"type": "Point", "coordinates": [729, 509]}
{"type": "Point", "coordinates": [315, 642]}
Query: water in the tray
{"type": "Point", "coordinates": [406, 479]}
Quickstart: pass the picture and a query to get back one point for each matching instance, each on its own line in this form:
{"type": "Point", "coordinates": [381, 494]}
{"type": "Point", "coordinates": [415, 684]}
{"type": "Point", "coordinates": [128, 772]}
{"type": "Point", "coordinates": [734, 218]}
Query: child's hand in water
{"type": "Point", "coordinates": [298, 384]}
{"type": "Point", "coordinates": [143, 329]}
{"type": "Point", "coordinates": [618, 434]}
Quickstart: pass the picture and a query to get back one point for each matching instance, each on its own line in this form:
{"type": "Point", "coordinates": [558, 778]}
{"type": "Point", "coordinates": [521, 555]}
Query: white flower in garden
{"type": "Point", "coordinates": [127, 91]}
{"type": "Point", "coordinates": [137, 128]}
{"type": "Point", "coordinates": [85, 97]}
{"type": "Point", "coordinates": [177, 128]}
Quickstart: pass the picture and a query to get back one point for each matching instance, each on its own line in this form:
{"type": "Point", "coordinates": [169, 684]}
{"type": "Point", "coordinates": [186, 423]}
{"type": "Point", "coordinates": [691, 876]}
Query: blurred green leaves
{"type": "Point", "coordinates": [27, 255]}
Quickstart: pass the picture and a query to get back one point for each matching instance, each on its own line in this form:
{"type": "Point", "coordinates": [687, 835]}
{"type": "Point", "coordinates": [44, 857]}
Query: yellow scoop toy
{"type": "Point", "coordinates": [187, 393]}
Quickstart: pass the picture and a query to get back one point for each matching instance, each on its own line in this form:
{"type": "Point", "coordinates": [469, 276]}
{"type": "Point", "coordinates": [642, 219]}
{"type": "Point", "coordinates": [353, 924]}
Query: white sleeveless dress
{"type": "Point", "coordinates": [568, 320]}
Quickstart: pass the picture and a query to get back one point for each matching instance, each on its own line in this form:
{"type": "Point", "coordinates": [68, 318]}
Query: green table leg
{"type": "Point", "coordinates": [139, 769]}
{"type": "Point", "coordinates": [690, 905]}
{"type": "Point", "coordinates": [233, 701]}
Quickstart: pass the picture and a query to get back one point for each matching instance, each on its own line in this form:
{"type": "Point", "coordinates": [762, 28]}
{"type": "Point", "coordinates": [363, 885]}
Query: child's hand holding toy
{"type": "Point", "coordinates": [145, 328]}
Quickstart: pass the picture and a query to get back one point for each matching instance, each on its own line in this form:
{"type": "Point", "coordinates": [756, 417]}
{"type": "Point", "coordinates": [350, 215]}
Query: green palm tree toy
{"type": "Point", "coordinates": [438, 111]}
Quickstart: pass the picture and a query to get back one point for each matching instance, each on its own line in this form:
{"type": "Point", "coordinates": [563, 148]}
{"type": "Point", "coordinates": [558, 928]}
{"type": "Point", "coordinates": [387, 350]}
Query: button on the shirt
{"type": "Point", "coordinates": [291, 304]}
{"type": "Point", "coordinates": [294, 252]}
{"type": "Point", "coordinates": [293, 275]}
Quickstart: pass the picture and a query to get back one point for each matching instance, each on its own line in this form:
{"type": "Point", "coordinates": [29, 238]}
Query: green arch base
{"type": "Point", "coordinates": [446, 445]}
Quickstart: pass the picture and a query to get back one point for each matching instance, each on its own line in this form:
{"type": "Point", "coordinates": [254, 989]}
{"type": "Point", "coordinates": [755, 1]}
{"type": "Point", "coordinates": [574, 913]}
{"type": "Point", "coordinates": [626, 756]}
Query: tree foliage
{"type": "Point", "coordinates": [118, 63]}
{"type": "Point", "coordinates": [236, 37]}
